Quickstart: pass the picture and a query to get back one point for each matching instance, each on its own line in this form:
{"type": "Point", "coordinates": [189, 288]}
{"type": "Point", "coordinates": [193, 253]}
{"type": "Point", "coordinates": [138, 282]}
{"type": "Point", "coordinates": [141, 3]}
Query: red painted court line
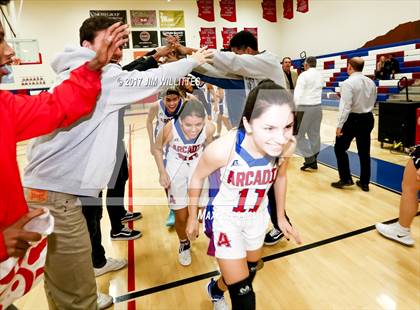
{"type": "Point", "coordinates": [131, 285]}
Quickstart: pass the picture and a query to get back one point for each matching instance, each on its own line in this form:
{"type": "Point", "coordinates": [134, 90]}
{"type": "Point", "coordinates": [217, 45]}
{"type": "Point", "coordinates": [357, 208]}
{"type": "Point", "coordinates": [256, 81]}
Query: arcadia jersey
{"type": "Point", "coordinates": [236, 218]}
{"type": "Point", "coordinates": [181, 159]}
{"type": "Point", "coordinates": [163, 116]}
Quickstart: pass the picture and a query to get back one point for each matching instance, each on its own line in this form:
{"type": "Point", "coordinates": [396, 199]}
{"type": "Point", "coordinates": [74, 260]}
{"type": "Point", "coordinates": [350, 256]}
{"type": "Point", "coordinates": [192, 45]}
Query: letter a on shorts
{"type": "Point", "coordinates": [223, 240]}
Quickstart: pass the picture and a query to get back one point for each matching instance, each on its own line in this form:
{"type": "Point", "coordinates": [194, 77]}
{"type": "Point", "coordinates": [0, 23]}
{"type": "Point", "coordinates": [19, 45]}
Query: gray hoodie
{"type": "Point", "coordinates": [79, 160]}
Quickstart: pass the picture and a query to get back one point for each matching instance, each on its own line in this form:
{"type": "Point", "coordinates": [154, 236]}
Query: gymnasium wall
{"type": "Point", "coordinates": [329, 26]}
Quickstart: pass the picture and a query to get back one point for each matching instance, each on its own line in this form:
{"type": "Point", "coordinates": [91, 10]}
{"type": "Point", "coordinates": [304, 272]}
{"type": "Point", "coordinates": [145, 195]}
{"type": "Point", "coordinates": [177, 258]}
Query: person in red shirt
{"type": "Point", "coordinates": [23, 117]}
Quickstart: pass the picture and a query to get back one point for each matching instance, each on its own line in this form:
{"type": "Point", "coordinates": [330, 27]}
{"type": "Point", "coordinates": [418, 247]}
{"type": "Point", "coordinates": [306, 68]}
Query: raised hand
{"type": "Point", "coordinates": [183, 50]}
{"type": "Point", "coordinates": [171, 40]}
{"type": "Point", "coordinates": [203, 55]}
{"type": "Point", "coordinates": [115, 36]}
{"type": "Point", "coordinates": [163, 51]}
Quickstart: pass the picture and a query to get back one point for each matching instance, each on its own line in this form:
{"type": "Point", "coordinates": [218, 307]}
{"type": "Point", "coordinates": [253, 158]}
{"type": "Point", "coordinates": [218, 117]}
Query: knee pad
{"type": "Point", "coordinates": [252, 267]}
{"type": "Point", "coordinates": [242, 295]}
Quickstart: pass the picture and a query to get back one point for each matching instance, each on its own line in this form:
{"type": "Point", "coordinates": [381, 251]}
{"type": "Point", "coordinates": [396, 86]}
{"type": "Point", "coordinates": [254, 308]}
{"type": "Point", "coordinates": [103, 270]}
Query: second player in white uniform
{"type": "Point", "coordinates": [184, 140]}
{"type": "Point", "coordinates": [163, 111]}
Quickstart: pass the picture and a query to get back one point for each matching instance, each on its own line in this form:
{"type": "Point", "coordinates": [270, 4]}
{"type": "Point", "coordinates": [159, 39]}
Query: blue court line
{"type": "Point", "coordinates": [383, 173]}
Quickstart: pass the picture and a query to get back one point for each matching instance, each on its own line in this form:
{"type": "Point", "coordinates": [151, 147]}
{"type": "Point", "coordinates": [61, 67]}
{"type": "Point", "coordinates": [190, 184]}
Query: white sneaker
{"type": "Point", "coordinates": [112, 264]}
{"type": "Point", "coordinates": [104, 301]}
{"type": "Point", "coordinates": [394, 232]}
{"type": "Point", "coordinates": [221, 304]}
{"type": "Point", "coordinates": [184, 257]}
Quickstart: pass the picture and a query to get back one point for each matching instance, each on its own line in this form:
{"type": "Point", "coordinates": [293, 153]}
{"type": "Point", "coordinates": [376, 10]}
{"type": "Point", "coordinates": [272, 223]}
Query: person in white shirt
{"type": "Point", "coordinates": [307, 95]}
{"type": "Point", "coordinates": [355, 120]}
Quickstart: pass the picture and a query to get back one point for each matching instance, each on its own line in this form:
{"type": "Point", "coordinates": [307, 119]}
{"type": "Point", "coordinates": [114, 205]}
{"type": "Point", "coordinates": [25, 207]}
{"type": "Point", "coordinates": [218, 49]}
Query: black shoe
{"type": "Point", "coordinates": [273, 237]}
{"type": "Point", "coordinates": [131, 216]}
{"type": "Point", "coordinates": [126, 234]}
{"type": "Point", "coordinates": [364, 187]}
{"type": "Point", "coordinates": [313, 165]}
{"type": "Point", "coordinates": [341, 184]}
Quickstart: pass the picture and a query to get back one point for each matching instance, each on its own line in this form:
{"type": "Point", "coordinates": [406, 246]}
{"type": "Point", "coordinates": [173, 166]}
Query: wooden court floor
{"type": "Point", "coordinates": [342, 264]}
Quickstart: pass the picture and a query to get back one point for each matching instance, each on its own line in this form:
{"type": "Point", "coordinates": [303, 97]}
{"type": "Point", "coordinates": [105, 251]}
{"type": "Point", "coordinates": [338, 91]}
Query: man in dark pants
{"type": "Point", "coordinates": [92, 207]}
{"type": "Point", "coordinates": [116, 187]}
{"type": "Point", "coordinates": [355, 120]}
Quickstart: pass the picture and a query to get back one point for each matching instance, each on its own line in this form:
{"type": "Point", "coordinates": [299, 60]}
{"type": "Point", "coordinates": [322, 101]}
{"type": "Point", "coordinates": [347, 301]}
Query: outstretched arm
{"type": "Point", "coordinates": [75, 97]}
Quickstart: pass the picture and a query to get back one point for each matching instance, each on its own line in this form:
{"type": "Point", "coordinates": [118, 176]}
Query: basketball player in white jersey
{"type": "Point", "coordinates": [185, 138]}
{"type": "Point", "coordinates": [258, 156]}
{"type": "Point", "coordinates": [163, 111]}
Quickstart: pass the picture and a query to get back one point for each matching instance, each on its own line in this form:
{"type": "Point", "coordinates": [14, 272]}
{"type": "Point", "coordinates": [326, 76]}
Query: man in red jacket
{"type": "Point", "coordinates": [24, 117]}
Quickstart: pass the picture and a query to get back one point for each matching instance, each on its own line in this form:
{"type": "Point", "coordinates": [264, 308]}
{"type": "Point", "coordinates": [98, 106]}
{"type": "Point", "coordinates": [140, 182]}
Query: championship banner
{"type": "Point", "coordinates": [118, 15]}
{"type": "Point", "coordinates": [143, 18]}
{"type": "Point", "coordinates": [254, 31]}
{"type": "Point", "coordinates": [288, 9]}
{"type": "Point", "coordinates": [18, 276]}
{"type": "Point", "coordinates": [269, 10]}
{"type": "Point", "coordinates": [302, 6]}
{"type": "Point", "coordinates": [145, 39]}
{"type": "Point", "coordinates": [206, 10]}
{"type": "Point", "coordinates": [228, 10]}
{"type": "Point", "coordinates": [208, 37]}
{"type": "Point", "coordinates": [227, 34]}
{"type": "Point", "coordinates": [171, 19]}
{"type": "Point", "coordinates": [180, 34]}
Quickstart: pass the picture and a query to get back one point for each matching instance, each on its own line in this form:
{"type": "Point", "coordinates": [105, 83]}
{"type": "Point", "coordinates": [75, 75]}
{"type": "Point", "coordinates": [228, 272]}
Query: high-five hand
{"type": "Point", "coordinates": [115, 36]}
{"type": "Point", "coordinates": [203, 55]}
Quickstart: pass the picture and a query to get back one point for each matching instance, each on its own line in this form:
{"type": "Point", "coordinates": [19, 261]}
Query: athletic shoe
{"type": "Point", "coordinates": [104, 301]}
{"type": "Point", "coordinates": [395, 232]}
{"type": "Point", "coordinates": [273, 237]}
{"type": "Point", "coordinates": [112, 264]}
{"type": "Point", "coordinates": [341, 184]}
{"type": "Point", "coordinates": [131, 216]}
{"type": "Point", "coordinates": [364, 187]}
{"type": "Point", "coordinates": [170, 221]}
{"type": "Point", "coordinates": [126, 234]}
{"type": "Point", "coordinates": [184, 253]}
{"type": "Point", "coordinates": [313, 165]}
{"type": "Point", "coordinates": [219, 302]}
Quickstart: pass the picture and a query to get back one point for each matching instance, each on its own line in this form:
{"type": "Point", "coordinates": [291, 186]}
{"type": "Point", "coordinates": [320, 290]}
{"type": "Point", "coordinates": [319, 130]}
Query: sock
{"type": "Point", "coordinates": [276, 231]}
{"type": "Point", "coordinates": [252, 267]}
{"type": "Point", "coordinates": [242, 295]}
{"type": "Point", "coordinates": [404, 229]}
{"type": "Point", "coordinates": [184, 245]}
